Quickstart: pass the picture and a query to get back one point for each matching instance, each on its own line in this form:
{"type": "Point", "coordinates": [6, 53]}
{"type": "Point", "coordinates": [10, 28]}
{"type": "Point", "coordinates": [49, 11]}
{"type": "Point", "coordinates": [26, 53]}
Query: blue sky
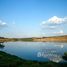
{"type": "Point", "coordinates": [31, 18]}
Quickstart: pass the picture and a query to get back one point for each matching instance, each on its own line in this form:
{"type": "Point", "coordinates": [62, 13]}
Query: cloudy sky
{"type": "Point", "coordinates": [30, 18]}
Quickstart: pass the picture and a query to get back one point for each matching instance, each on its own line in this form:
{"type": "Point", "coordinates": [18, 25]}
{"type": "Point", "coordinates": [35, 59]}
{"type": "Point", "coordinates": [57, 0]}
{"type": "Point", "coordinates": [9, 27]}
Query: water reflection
{"type": "Point", "coordinates": [1, 45]}
{"type": "Point", "coordinates": [59, 45]}
{"type": "Point", "coordinates": [51, 54]}
{"type": "Point", "coordinates": [40, 51]}
{"type": "Point", "coordinates": [53, 51]}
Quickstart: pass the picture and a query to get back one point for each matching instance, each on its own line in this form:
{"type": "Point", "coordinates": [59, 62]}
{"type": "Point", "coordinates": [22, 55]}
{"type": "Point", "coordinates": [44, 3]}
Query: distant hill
{"type": "Point", "coordinates": [52, 38]}
{"type": "Point", "coordinates": [1, 37]}
{"type": "Point", "coordinates": [40, 39]}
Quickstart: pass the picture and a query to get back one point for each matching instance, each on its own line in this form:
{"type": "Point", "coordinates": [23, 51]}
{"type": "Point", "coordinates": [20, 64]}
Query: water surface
{"type": "Point", "coordinates": [40, 51]}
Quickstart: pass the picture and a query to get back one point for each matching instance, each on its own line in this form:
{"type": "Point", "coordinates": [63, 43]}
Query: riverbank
{"type": "Point", "coordinates": [7, 60]}
{"type": "Point", "coordinates": [37, 39]}
{"type": "Point", "coordinates": [52, 39]}
{"type": "Point", "coordinates": [15, 39]}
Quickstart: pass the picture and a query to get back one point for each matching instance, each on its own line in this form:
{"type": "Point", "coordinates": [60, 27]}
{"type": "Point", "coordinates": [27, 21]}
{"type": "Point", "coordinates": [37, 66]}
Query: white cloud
{"type": "Point", "coordinates": [48, 27]}
{"type": "Point", "coordinates": [52, 27]}
{"type": "Point", "coordinates": [59, 32]}
{"type": "Point", "coordinates": [54, 24]}
{"type": "Point", "coordinates": [2, 24]}
{"type": "Point", "coordinates": [55, 20]}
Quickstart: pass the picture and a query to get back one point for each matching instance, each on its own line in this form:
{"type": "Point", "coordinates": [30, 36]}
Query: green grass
{"type": "Point", "coordinates": [65, 56]}
{"type": "Point", "coordinates": [26, 39]}
{"type": "Point", "coordinates": [7, 60]}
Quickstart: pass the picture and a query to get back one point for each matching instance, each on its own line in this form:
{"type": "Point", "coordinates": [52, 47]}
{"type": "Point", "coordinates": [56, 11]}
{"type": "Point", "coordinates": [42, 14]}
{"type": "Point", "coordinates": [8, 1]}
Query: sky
{"type": "Point", "coordinates": [33, 18]}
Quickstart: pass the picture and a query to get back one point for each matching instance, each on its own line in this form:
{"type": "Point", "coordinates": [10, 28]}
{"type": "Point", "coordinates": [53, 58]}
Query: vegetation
{"type": "Point", "coordinates": [42, 39]}
{"type": "Point", "coordinates": [52, 39]}
{"type": "Point", "coordinates": [1, 45]}
{"type": "Point", "coordinates": [15, 39]}
{"type": "Point", "coordinates": [7, 60]}
{"type": "Point", "coordinates": [26, 39]}
{"type": "Point", "coordinates": [2, 37]}
{"type": "Point", "coordinates": [65, 56]}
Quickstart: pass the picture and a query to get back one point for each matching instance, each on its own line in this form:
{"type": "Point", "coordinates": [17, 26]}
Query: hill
{"type": "Point", "coordinates": [40, 39]}
{"type": "Point", "coordinates": [52, 38]}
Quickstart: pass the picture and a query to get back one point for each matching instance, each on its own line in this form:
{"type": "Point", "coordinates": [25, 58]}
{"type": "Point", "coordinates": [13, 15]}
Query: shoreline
{"type": "Point", "coordinates": [8, 60]}
{"type": "Point", "coordinates": [35, 39]}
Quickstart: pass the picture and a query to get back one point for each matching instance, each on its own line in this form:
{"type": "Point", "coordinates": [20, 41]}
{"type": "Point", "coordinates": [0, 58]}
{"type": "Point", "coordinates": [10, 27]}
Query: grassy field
{"type": "Point", "coordinates": [15, 39]}
{"type": "Point", "coordinates": [7, 60]}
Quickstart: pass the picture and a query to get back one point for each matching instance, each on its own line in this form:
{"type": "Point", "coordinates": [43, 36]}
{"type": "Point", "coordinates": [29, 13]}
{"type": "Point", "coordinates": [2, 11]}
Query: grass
{"type": "Point", "coordinates": [7, 60]}
{"type": "Point", "coordinates": [65, 56]}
